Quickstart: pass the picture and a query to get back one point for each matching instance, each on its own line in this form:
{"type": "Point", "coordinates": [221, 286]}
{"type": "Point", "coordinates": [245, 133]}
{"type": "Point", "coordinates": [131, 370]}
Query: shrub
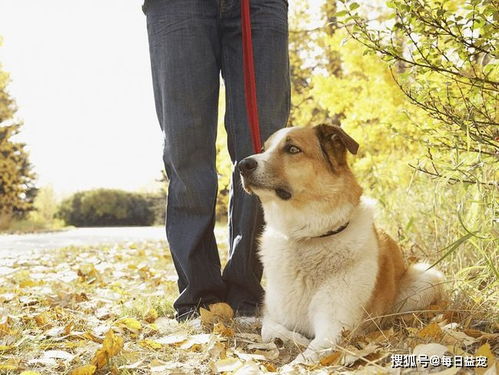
{"type": "Point", "coordinates": [108, 207]}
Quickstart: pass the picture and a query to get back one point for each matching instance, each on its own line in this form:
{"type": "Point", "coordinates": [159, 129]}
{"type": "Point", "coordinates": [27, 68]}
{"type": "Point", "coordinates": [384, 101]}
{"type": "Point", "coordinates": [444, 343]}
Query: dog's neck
{"type": "Point", "coordinates": [334, 231]}
{"type": "Point", "coordinates": [312, 221]}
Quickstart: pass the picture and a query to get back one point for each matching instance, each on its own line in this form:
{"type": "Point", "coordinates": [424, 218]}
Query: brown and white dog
{"type": "Point", "coordinates": [327, 266]}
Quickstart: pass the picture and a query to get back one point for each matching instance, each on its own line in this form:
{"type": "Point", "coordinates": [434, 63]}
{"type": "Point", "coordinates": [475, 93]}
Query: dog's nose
{"type": "Point", "coordinates": [246, 166]}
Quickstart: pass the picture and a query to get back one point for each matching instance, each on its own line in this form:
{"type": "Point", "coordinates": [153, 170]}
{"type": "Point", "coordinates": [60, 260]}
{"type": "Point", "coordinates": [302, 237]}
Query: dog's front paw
{"type": "Point", "coordinates": [272, 331]}
{"type": "Point", "coordinates": [308, 357]}
{"type": "Point", "coordinates": [267, 334]}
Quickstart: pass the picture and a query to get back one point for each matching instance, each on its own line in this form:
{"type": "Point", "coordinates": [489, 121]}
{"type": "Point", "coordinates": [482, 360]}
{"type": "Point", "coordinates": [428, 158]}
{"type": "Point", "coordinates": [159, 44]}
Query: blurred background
{"type": "Point", "coordinates": [415, 85]}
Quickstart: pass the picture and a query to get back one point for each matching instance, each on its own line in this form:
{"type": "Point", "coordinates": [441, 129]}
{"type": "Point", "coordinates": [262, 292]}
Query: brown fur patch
{"type": "Point", "coordinates": [391, 269]}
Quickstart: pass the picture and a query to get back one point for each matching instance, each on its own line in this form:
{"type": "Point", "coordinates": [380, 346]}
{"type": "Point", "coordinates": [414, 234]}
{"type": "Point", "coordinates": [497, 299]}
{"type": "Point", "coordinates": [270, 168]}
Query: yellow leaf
{"type": "Point", "coordinates": [485, 351]}
{"type": "Point", "coordinates": [222, 310]}
{"type": "Point", "coordinates": [4, 348]}
{"type": "Point", "coordinates": [88, 272]}
{"type": "Point", "coordinates": [4, 366]}
{"type": "Point", "coordinates": [151, 315]}
{"type": "Point", "coordinates": [112, 344]}
{"type": "Point", "coordinates": [42, 319]}
{"type": "Point", "coordinates": [90, 336]}
{"type": "Point", "coordinates": [100, 358]}
{"type": "Point", "coordinates": [269, 366]}
{"type": "Point", "coordinates": [84, 370]}
{"type": "Point", "coordinates": [206, 316]}
{"type": "Point", "coordinates": [68, 328]}
{"type": "Point", "coordinates": [28, 283]}
{"type": "Point", "coordinates": [130, 323]}
{"type": "Point", "coordinates": [218, 312]}
{"type": "Point", "coordinates": [222, 330]}
{"type": "Point", "coordinates": [147, 343]}
{"type": "Point", "coordinates": [331, 359]}
{"type": "Point", "coordinates": [432, 330]}
{"type": "Point", "coordinates": [5, 327]}
{"type": "Point", "coordinates": [10, 364]}
{"type": "Point", "coordinates": [29, 373]}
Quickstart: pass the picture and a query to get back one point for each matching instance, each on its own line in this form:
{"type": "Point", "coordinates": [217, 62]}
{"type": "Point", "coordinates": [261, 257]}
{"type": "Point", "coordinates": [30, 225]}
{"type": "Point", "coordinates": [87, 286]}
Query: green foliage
{"type": "Point", "coordinates": [224, 164]}
{"type": "Point", "coordinates": [17, 190]}
{"type": "Point", "coordinates": [443, 56]}
{"type": "Point", "coordinates": [435, 176]}
{"type": "Point", "coordinates": [42, 218]}
{"type": "Point", "coordinates": [109, 207]}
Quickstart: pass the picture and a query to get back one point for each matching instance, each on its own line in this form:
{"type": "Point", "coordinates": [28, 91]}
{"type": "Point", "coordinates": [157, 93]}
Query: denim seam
{"type": "Point", "coordinates": [229, 112]}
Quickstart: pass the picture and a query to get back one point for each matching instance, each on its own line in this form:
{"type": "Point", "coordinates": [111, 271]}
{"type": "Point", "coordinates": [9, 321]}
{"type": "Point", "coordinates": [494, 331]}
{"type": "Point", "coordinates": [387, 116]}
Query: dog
{"type": "Point", "coordinates": [327, 267]}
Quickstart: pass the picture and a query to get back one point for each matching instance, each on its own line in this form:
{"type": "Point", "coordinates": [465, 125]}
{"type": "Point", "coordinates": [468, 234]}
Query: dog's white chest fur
{"type": "Point", "coordinates": [307, 277]}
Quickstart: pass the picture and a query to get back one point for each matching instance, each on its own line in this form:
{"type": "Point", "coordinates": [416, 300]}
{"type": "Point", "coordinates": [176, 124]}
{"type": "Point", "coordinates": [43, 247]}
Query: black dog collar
{"type": "Point", "coordinates": [336, 231]}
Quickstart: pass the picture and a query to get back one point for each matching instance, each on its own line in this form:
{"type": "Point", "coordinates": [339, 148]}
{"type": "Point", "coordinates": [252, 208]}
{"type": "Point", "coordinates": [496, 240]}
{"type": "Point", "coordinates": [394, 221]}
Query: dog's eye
{"type": "Point", "coordinates": [292, 149]}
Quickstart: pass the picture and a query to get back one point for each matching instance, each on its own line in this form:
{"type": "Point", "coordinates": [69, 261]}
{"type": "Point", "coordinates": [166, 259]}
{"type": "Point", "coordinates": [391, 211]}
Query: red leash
{"type": "Point", "coordinates": [249, 76]}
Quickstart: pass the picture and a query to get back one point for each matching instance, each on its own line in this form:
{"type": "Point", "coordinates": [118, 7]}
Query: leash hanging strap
{"type": "Point", "coordinates": [249, 76]}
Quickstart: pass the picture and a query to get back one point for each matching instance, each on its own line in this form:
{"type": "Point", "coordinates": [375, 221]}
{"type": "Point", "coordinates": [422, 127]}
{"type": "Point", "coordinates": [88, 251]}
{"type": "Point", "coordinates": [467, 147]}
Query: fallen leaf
{"type": "Point", "coordinates": [151, 315]}
{"type": "Point", "coordinates": [111, 345]}
{"type": "Point", "coordinates": [432, 330]}
{"type": "Point", "coordinates": [218, 312]}
{"type": "Point", "coordinates": [216, 351]}
{"type": "Point", "coordinates": [248, 356]}
{"type": "Point", "coordinates": [172, 339]}
{"type": "Point", "coordinates": [88, 273]}
{"type": "Point", "coordinates": [151, 344]}
{"type": "Point", "coordinates": [5, 327]}
{"type": "Point", "coordinates": [352, 354]}
{"type": "Point", "coordinates": [29, 373]}
{"type": "Point", "coordinates": [166, 325]}
{"type": "Point", "coordinates": [380, 335]}
{"type": "Point", "coordinates": [100, 358]}
{"type": "Point", "coordinates": [130, 323]}
{"type": "Point", "coordinates": [457, 337]}
{"type": "Point", "coordinates": [249, 368]}
{"type": "Point", "coordinates": [55, 332]}
{"type": "Point", "coordinates": [6, 366]}
{"type": "Point", "coordinates": [485, 351]}
{"type": "Point", "coordinates": [42, 319]}
{"type": "Point", "coordinates": [430, 349]}
{"type": "Point", "coordinates": [269, 366]}
{"type": "Point", "coordinates": [222, 330]}
{"type": "Point", "coordinates": [68, 328]}
{"type": "Point", "coordinates": [270, 355]}
{"type": "Point", "coordinates": [84, 370]}
{"type": "Point", "coordinates": [331, 359]}
{"type": "Point", "coordinates": [200, 339]}
{"type": "Point", "coordinates": [228, 365]}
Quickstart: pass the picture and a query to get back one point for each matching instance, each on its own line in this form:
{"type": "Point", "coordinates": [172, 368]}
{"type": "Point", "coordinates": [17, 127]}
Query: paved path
{"type": "Point", "coordinates": [16, 243]}
{"type": "Point", "coordinates": [78, 237]}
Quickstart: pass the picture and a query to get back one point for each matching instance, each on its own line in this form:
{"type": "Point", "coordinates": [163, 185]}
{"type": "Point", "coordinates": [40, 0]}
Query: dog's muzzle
{"type": "Point", "coordinates": [247, 166]}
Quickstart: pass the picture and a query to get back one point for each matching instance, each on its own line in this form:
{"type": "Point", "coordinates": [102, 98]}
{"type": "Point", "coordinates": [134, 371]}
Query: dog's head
{"type": "Point", "coordinates": [303, 169]}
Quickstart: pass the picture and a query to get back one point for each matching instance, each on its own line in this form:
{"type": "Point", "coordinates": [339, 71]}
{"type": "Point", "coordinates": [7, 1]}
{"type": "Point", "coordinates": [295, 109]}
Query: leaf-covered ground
{"type": "Point", "coordinates": [107, 309]}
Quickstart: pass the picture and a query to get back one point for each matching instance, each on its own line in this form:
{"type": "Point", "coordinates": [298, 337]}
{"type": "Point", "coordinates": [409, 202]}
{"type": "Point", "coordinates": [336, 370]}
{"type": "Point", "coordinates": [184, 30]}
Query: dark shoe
{"type": "Point", "coordinates": [247, 312]}
{"type": "Point", "coordinates": [182, 316]}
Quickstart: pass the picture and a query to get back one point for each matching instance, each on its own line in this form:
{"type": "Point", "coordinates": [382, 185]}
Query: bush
{"type": "Point", "coordinates": [109, 207]}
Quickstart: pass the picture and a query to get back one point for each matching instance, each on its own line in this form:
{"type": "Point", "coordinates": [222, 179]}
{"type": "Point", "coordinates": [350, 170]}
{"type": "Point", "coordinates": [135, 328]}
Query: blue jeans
{"type": "Point", "coordinates": [191, 42]}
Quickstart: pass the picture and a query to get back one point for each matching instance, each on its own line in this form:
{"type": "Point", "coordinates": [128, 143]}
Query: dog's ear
{"type": "Point", "coordinates": [335, 142]}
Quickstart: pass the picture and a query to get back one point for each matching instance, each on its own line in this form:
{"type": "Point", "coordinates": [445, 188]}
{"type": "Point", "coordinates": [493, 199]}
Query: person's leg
{"type": "Point", "coordinates": [243, 272]}
{"type": "Point", "coordinates": [184, 47]}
